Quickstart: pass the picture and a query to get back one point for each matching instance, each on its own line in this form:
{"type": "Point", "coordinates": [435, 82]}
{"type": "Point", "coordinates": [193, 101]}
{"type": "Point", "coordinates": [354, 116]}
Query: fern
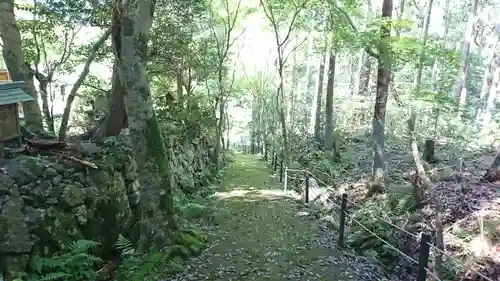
{"type": "Point", "coordinates": [82, 246]}
{"type": "Point", "coordinates": [125, 246]}
{"type": "Point", "coordinates": [55, 276]}
{"type": "Point", "coordinates": [77, 264]}
{"type": "Point", "coordinates": [405, 204]}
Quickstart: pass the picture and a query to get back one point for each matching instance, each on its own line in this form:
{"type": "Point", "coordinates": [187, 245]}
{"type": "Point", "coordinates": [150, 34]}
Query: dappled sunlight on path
{"type": "Point", "coordinates": [261, 235]}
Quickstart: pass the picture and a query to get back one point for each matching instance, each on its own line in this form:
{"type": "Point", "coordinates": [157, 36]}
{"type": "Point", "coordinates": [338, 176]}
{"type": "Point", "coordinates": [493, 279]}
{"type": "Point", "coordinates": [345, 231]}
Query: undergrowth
{"type": "Point", "coordinates": [75, 264]}
{"type": "Point", "coordinates": [156, 263]}
{"type": "Point", "coordinates": [375, 215]}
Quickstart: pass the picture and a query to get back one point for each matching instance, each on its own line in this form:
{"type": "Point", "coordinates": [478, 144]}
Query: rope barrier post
{"type": "Point", "coordinates": [460, 166]}
{"type": "Point", "coordinates": [423, 258]}
{"type": "Point", "coordinates": [286, 180]}
{"type": "Point", "coordinates": [343, 207]}
{"type": "Point", "coordinates": [281, 171]}
{"type": "Point", "coordinates": [306, 197]}
{"type": "Point", "coordinates": [275, 162]}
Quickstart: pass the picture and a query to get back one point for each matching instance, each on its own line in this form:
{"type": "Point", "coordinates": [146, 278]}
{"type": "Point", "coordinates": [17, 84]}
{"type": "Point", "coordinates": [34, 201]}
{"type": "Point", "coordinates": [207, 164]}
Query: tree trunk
{"type": "Point", "coordinates": [383, 80]}
{"type": "Point", "coordinates": [13, 55]}
{"type": "Point", "coordinates": [219, 145]}
{"type": "Point", "coordinates": [493, 172]}
{"type": "Point", "coordinates": [156, 212]}
{"type": "Point", "coordinates": [365, 73]}
{"type": "Point", "coordinates": [492, 95]}
{"type": "Point", "coordinates": [116, 118]}
{"type": "Point", "coordinates": [329, 102]}
{"type": "Point", "coordinates": [485, 89]}
{"type": "Point", "coordinates": [280, 107]}
{"type": "Point", "coordinates": [180, 87]}
{"type": "Point", "coordinates": [353, 64]}
{"type": "Point", "coordinates": [319, 97]}
{"type": "Point", "coordinates": [421, 180]}
{"type": "Point", "coordinates": [461, 85]}
{"type": "Point", "coordinates": [81, 78]}
{"type": "Point", "coordinates": [44, 94]}
{"type": "Point", "coordinates": [294, 94]}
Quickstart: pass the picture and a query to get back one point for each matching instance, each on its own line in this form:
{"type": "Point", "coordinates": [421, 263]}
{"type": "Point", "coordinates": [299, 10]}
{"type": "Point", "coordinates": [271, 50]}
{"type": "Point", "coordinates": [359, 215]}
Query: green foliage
{"type": "Point", "coordinates": [117, 150]}
{"type": "Point", "coordinates": [76, 264]}
{"type": "Point", "coordinates": [398, 210]}
{"type": "Point", "coordinates": [152, 265]}
{"type": "Point", "coordinates": [125, 246]}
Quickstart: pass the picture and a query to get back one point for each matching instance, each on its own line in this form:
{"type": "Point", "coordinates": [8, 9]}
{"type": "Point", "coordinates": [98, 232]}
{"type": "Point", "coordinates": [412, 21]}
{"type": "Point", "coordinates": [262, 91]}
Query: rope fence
{"type": "Point", "coordinates": [425, 247]}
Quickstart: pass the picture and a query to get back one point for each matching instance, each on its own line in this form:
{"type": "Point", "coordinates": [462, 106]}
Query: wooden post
{"type": "Point", "coordinates": [281, 171]}
{"type": "Point", "coordinates": [2, 151]}
{"type": "Point", "coordinates": [286, 180]}
{"type": "Point", "coordinates": [423, 258]}
{"type": "Point", "coordinates": [343, 207]}
{"type": "Point", "coordinates": [429, 151]}
{"type": "Point", "coordinates": [306, 197]}
{"type": "Point", "coordinates": [275, 161]}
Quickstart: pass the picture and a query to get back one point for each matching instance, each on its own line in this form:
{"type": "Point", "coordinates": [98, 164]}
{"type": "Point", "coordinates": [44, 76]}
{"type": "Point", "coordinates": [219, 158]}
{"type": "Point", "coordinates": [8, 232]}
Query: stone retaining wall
{"type": "Point", "coordinates": [46, 203]}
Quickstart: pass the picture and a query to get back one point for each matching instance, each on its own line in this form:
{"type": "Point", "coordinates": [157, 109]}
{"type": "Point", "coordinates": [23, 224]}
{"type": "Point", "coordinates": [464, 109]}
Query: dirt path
{"type": "Point", "coordinates": [261, 235]}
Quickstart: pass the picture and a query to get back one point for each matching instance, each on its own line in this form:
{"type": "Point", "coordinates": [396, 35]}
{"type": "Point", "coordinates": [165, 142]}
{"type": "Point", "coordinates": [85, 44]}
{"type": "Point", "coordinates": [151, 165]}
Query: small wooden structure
{"type": "Point", "coordinates": [11, 95]}
{"type": "Point", "coordinates": [4, 75]}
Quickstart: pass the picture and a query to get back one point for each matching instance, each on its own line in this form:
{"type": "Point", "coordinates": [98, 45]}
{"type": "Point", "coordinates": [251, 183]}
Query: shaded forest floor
{"type": "Point", "coordinates": [470, 213]}
{"type": "Point", "coordinates": [261, 235]}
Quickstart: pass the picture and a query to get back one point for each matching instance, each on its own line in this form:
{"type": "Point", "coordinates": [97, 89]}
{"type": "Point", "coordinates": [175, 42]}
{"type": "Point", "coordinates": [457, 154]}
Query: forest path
{"type": "Point", "coordinates": [260, 234]}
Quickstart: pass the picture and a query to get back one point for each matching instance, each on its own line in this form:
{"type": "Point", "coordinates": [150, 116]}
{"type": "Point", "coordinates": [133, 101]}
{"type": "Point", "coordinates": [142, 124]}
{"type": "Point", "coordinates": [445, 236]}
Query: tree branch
{"type": "Point", "coordinates": [367, 47]}
{"type": "Point", "coordinates": [292, 22]}
{"type": "Point", "coordinates": [295, 48]}
{"type": "Point", "coordinates": [95, 88]}
{"type": "Point", "coordinates": [79, 82]}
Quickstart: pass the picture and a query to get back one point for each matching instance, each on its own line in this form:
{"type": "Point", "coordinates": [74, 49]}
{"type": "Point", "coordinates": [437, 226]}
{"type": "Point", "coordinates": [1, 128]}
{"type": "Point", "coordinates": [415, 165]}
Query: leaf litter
{"type": "Point", "coordinates": [259, 235]}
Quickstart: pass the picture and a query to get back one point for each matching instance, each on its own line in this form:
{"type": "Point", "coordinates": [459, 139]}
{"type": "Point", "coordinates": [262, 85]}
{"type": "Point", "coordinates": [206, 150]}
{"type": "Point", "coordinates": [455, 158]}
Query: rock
{"type": "Point", "coordinates": [73, 195]}
{"type": "Point", "coordinates": [6, 182]}
{"type": "Point", "coordinates": [110, 213]}
{"type": "Point", "coordinates": [50, 172]}
{"type": "Point", "coordinates": [4, 190]}
{"type": "Point", "coordinates": [60, 169]}
{"type": "Point", "coordinates": [14, 237]}
{"type": "Point", "coordinates": [28, 200]}
{"type": "Point", "coordinates": [57, 180]}
{"type": "Point", "coordinates": [3, 199]}
{"type": "Point", "coordinates": [25, 169]}
{"type": "Point", "coordinates": [41, 192]}
{"type": "Point", "coordinates": [80, 214]}
{"type": "Point", "coordinates": [54, 194]}
{"type": "Point", "coordinates": [33, 217]}
{"type": "Point", "coordinates": [57, 230]}
{"type": "Point", "coordinates": [79, 177]}
{"type": "Point", "coordinates": [13, 263]}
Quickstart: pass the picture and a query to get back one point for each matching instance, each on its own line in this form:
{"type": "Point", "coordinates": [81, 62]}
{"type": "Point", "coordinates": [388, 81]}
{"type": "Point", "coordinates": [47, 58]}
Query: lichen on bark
{"type": "Point", "coordinates": [156, 220]}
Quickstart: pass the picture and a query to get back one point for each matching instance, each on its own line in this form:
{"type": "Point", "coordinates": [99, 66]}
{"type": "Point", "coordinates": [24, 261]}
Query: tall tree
{"type": "Point", "coordinates": [13, 55]}
{"type": "Point", "coordinates": [461, 85]}
{"type": "Point", "coordinates": [79, 82]}
{"type": "Point", "coordinates": [156, 214]}
{"type": "Point", "coordinates": [319, 97]}
{"type": "Point", "coordinates": [224, 41]}
{"type": "Point", "coordinates": [421, 181]}
{"type": "Point", "coordinates": [276, 16]}
{"type": "Point", "coordinates": [330, 87]}
{"type": "Point", "coordinates": [383, 80]}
